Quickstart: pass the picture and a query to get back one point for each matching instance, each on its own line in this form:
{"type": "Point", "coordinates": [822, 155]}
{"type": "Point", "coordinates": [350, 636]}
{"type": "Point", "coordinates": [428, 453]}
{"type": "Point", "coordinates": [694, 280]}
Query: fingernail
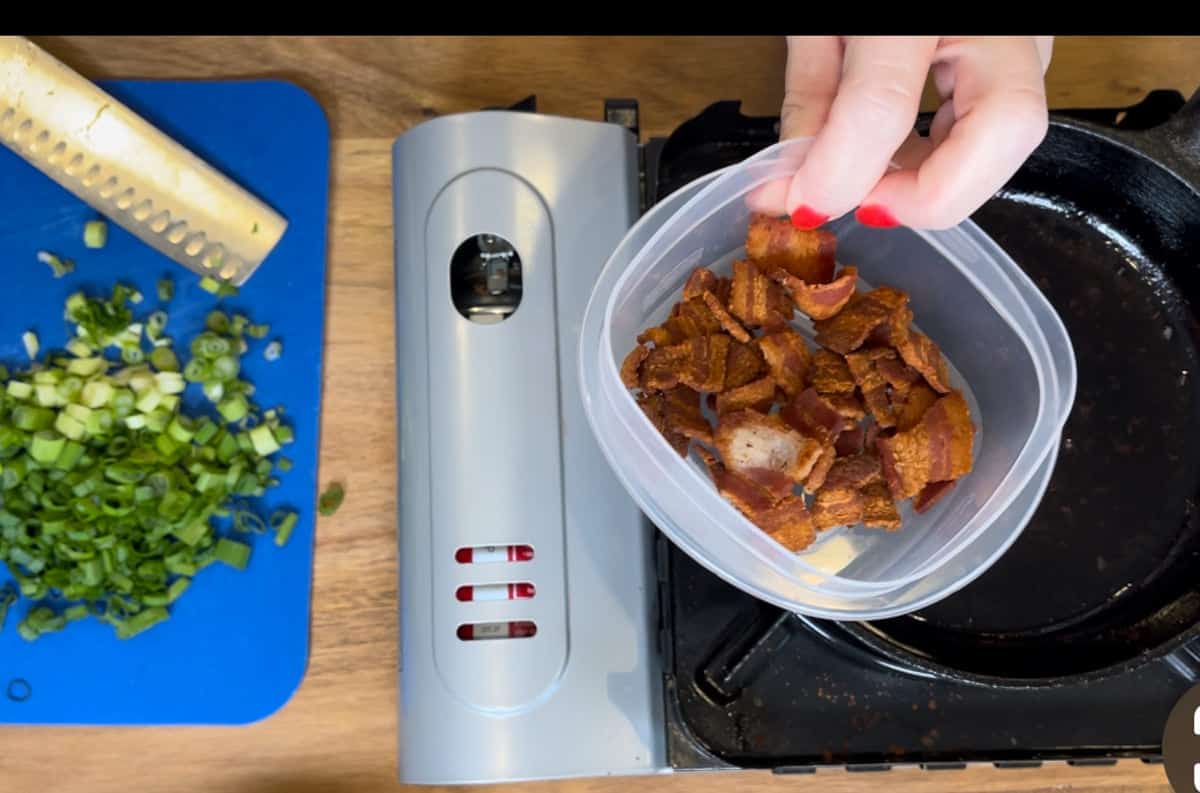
{"type": "Point", "coordinates": [875, 216]}
{"type": "Point", "coordinates": [807, 218]}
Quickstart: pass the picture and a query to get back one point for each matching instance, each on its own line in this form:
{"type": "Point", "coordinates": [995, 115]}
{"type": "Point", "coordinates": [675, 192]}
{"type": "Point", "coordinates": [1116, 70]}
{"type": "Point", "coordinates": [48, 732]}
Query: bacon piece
{"type": "Point", "coordinates": [775, 242]}
{"type": "Point", "coordinates": [727, 320]}
{"type": "Point", "coordinates": [631, 367]}
{"type": "Point", "coordinates": [660, 336]}
{"type": "Point", "coordinates": [898, 375]}
{"type": "Point", "coordinates": [846, 331]}
{"type": "Point", "coordinates": [682, 415]}
{"type": "Point", "coordinates": [913, 405]}
{"type": "Point", "coordinates": [692, 319]}
{"type": "Point", "coordinates": [816, 478]}
{"type": "Point", "coordinates": [937, 449]}
{"type": "Point", "coordinates": [931, 494]}
{"type": "Point", "coordinates": [654, 405]}
{"type": "Point", "coordinates": [849, 405]}
{"type": "Point", "coordinates": [836, 506]}
{"type": "Point", "coordinates": [700, 281]}
{"type": "Point", "coordinates": [779, 485]}
{"type": "Point", "coordinates": [757, 300]}
{"type": "Point", "coordinates": [749, 440]}
{"type": "Point", "coordinates": [789, 524]}
{"type": "Point", "coordinates": [787, 357]}
{"type": "Point", "coordinates": [830, 374]}
{"type": "Point", "coordinates": [818, 301]}
{"type": "Point", "coordinates": [871, 383]}
{"type": "Point", "coordinates": [919, 352]}
{"type": "Point", "coordinates": [749, 497]}
{"type": "Point", "coordinates": [744, 365]}
{"type": "Point", "coordinates": [812, 415]}
{"type": "Point", "coordinates": [757, 395]}
{"type": "Point", "coordinates": [850, 442]}
{"type": "Point", "coordinates": [662, 368]}
{"type": "Point", "coordinates": [879, 511]}
{"type": "Point", "coordinates": [855, 472]}
{"type": "Point", "coordinates": [705, 370]}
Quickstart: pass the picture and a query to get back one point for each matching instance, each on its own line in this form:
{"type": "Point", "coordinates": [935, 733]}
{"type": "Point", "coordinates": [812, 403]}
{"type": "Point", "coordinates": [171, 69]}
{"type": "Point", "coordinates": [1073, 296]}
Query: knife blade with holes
{"type": "Point", "coordinates": [129, 171]}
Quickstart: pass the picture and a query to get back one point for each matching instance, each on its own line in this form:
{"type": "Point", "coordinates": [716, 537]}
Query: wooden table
{"type": "Point", "coordinates": [339, 732]}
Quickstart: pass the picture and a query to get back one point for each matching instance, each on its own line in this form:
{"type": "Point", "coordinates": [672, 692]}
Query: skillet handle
{"type": "Point", "coordinates": [1176, 143]}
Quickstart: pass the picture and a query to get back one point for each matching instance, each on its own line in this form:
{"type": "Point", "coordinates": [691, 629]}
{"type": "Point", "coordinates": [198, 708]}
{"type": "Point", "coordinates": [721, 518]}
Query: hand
{"type": "Point", "coordinates": [858, 97]}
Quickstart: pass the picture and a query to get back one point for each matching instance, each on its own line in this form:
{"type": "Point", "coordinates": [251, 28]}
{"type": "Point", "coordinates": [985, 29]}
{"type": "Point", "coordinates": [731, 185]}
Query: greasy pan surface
{"type": "Point", "coordinates": [1106, 572]}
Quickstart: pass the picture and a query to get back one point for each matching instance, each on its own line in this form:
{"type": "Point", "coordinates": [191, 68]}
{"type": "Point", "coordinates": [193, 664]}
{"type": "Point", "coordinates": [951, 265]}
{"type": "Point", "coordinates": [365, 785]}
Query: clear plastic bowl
{"type": "Point", "coordinates": [990, 321]}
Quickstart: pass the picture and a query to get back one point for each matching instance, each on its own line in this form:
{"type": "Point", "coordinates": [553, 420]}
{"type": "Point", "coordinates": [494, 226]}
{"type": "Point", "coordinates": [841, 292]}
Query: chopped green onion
{"type": "Point", "coordinates": [95, 234]}
{"type": "Point", "coordinates": [59, 267]}
{"type": "Point", "coordinates": [234, 554]}
{"type": "Point", "coordinates": [273, 351]}
{"type": "Point", "coordinates": [210, 284]}
{"type": "Point", "coordinates": [258, 331]}
{"type": "Point", "coordinates": [283, 522]}
{"type": "Point", "coordinates": [166, 289]}
{"type": "Point", "coordinates": [30, 340]}
{"type": "Point", "coordinates": [331, 499]}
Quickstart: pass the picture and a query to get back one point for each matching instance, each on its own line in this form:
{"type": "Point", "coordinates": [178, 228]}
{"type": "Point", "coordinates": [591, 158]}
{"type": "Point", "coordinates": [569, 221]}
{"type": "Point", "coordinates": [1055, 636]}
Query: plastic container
{"type": "Point", "coordinates": [1009, 350]}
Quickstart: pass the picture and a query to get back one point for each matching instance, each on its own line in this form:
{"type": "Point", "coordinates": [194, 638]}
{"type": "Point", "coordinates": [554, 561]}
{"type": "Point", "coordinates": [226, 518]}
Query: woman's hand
{"type": "Point", "coordinates": [859, 98]}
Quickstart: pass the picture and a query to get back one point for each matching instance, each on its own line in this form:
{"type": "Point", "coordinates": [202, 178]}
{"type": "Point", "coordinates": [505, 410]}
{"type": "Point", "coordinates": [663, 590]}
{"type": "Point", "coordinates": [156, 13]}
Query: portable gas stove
{"type": "Point", "coordinates": [546, 630]}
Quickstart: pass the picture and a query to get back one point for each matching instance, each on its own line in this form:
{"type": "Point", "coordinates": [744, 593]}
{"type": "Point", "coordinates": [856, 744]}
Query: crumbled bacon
{"type": "Point", "coordinates": [830, 374]}
{"type": "Point", "coordinates": [818, 301]}
{"type": "Point", "coordinates": [682, 414]}
{"type": "Point", "coordinates": [748, 440]}
{"type": "Point", "coordinates": [937, 449]}
{"type": "Point", "coordinates": [662, 367]}
{"type": "Point", "coordinates": [849, 405]}
{"type": "Point", "coordinates": [855, 472]}
{"type": "Point", "coordinates": [820, 471]}
{"type": "Point", "coordinates": [836, 506]}
{"type": "Point", "coordinates": [757, 395]}
{"type": "Point", "coordinates": [850, 442]}
{"type": "Point", "coordinates": [931, 494]}
{"type": "Point", "coordinates": [705, 370]}
{"type": "Point", "coordinates": [812, 415]}
{"type": "Point", "coordinates": [913, 405]}
{"type": "Point", "coordinates": [727, 320]}
{"type": "Point", "coordinates": [757, 300]}
{"type": "Point", "coordinates": [654, 405]}
{"type": "Point", "coordinates": [789, 523]}
{"type": "Point", "coordinates": [919, 352]}
{"type": "Point", "coordinates": [775, 242]}
{"type": "Point", "coordinates": [879, 510]}
{"type": "Point", "coordinates": [744, 365]}
{"type": "Point", "coordinates": [787, 357]}
{"type": "Point", "coordinates": [846, 331]}
{"type": "Point", "coordinates": [700, 281]}
{"type": "Point", "coordinates": [631, 367]}
{"type": "Point", "coordinates": [749, 497]}
{"type": "Point", "coordinates": [871, 382]}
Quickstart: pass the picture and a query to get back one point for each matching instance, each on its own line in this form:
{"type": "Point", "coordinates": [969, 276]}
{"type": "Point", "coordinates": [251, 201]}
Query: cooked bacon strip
{"type": "Point", "coordinates": [654, 405]}
{"type": "Point", "coordinates": [812, 415]}
{"type": "Point", "coordinates": [660, 336]}
{"type": "Point", "coordinates": [775, 242]}
{"type": "Point", "coordinates": [879, 511]}
{"type": "Point", "coordinates": [855, 472]}
{"type": "Point", "coordinates": [913, 405]}
{"type": "Point", "coordinates": [631, 367]}
{"type": "Point", "coordinates": [937, 449]}
{"type": "Point", "coordinates": [850, 442]}
{"type": "Point", "coordinates": [830, 374]}
{"type": "Point", "coordinates": [931, 494]}
{"type": "Point", "coordinates": [816, 478]}
{"type": "Point", "coordinates": [818, 301]}
{"type": "Point", "coordinates": [757, 300]}
{"type": "Point", "coordinates": [744, 365]}
{"type": "Point", "coordinates": [705, 370]}
{"type": "Point", "coordinates": [787, 357]}
{"type": "Point", "coordinates": [693, 319]}
{"type": "Point", "coordinates": [898, 375]}
{"type": "Point", "coordinates": [727, 320]}
{"type": "Point", "coordinates": [848, 329]}
{"type": "Point", "coordinates": [749, 440]}
{"type": "Point", "coordinates": [700, 281]}
{"type": "Point", "coordinates": [757, 395]}
{"type": "Point", "coordinates": [836, 506]}
{"type": "Point", "coordinates": [789, 524]}
{"type": "Point", "coordinates": [681, 413]}
{"type": "Point", "coordinates": [919, 352]}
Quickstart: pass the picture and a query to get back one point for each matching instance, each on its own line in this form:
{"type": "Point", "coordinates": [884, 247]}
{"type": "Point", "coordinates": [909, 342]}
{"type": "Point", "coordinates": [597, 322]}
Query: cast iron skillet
{"type": "Point", "coordinates": [1106, 576]}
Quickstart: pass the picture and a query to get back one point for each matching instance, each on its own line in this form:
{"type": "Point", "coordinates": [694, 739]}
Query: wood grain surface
{"type": "Point", "coordinates": [338, 734]}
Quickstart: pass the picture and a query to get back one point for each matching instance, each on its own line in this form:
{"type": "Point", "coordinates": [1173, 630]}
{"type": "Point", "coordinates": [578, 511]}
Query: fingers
{"type": "Point", "coordinates": [814, 67]}
{"type": "Point", "coordinates": [997, 117]}
{"type": "Point", "coordinates": [871, 116]}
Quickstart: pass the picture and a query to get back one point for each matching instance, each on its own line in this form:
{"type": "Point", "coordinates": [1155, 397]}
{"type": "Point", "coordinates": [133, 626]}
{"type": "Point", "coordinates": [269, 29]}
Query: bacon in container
{"type": "Point", "coordinates": [803, 436]}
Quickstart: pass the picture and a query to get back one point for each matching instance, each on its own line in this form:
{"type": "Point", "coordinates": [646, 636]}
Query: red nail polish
{"type": "Point", "coordinates": [807, 218]}
{"type": "Point", "coordinates": [876, 216]}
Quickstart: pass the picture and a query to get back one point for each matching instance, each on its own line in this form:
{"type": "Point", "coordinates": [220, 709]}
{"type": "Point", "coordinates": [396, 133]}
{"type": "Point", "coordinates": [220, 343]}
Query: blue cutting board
{"type": "Point", "coordinates": [236, 646]}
